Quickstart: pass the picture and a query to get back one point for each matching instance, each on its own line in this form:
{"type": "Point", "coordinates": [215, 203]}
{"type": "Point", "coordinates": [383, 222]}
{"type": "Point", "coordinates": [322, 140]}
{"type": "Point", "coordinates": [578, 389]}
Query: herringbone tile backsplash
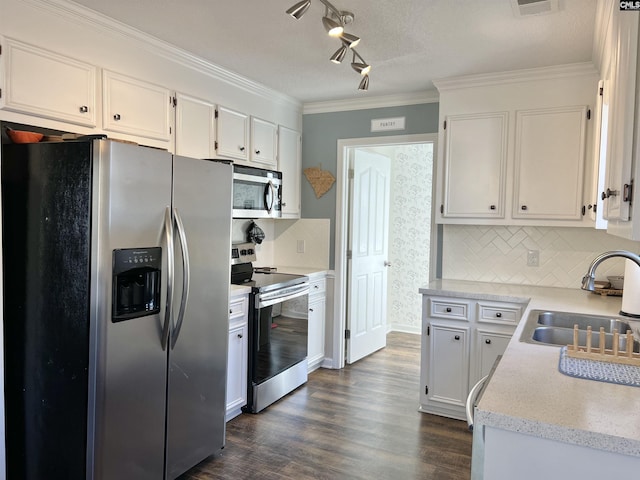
{"type": "Point", "coordinates": [499, 254]}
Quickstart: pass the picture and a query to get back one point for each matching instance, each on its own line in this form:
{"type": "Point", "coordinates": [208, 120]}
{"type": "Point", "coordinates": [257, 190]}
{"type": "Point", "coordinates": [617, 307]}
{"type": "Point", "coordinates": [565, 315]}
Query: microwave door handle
{"type": "Point", "coordinates": [168, 230]}
{"type": "Point", "coordinates": [268, 192]}
{"type": "Point", "coordinates": [186, 277]}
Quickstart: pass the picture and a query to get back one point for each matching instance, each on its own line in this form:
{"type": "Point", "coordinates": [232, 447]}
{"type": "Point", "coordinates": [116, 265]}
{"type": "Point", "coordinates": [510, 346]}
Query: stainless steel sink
{"type": "Point", "coordinates": [568, 320]}
{"type": "Point", "coordinates": [556, 328]}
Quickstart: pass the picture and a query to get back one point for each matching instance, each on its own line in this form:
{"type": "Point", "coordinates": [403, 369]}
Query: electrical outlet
{"type": "Point", "coordinates": [300, 246]}
{"type": "Point", "coordinates": [533, 258]}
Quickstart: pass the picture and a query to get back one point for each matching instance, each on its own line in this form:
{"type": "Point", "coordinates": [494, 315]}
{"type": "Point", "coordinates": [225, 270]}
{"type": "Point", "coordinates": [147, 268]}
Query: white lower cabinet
{"type": "Point", "coordinates": [237, 356]}
{"type": "Point", "coordinates": [316, 319]}
{"type": "Point", "coordinates": [461, 339]}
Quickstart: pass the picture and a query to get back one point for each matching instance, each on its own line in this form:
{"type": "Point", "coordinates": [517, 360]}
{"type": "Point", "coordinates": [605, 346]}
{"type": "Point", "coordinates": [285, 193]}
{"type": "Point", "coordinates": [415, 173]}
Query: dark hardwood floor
{"type": "Point", "coordinates": [361, 422]}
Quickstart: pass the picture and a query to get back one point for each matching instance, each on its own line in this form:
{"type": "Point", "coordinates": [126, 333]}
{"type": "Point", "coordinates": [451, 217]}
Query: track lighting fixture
{"type": "Point", "coordinates": [339, 54]}
{"type": "Point", "coordinates": [334, 21]}
{"type": "Point", "coordinates": [361, 67]}
{"type": "Point", "coordinates": [299, 9]}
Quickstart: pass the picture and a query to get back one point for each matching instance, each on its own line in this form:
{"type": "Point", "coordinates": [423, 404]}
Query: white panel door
{"type": "Point", "coordinates": [367, 276]}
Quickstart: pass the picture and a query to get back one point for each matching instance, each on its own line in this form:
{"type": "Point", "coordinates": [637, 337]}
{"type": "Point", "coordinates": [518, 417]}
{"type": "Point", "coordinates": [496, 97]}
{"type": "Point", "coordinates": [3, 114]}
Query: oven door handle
{"type": "Point", "coordinates": [471, 400]}
{"type": "Point", "coordinates": [265, 300]}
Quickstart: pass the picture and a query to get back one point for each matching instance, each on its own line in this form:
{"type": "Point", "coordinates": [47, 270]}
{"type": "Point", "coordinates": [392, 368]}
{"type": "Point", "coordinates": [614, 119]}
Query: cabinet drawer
{"type": "Point", "coordinates": [317, 286]}
{"type": "Point", "coordinates": [448, 309]}
{"type": "Point", "coordinates": [238, 308]}
{"type": "Point", "coordinates": [505, 314]}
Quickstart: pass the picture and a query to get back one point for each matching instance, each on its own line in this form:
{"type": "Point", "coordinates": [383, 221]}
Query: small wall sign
{"type": "Point", "coordinates": [386, 124]}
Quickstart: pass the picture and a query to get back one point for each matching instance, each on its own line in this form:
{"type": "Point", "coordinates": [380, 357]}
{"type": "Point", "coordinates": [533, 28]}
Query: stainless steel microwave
{"type": "Point", "coordinates": [257, 192]}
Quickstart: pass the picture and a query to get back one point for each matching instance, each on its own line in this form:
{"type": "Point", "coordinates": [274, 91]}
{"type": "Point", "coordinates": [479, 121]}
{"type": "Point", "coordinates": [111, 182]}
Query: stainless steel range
{"type": "Point", "coordinates": [278, 328]}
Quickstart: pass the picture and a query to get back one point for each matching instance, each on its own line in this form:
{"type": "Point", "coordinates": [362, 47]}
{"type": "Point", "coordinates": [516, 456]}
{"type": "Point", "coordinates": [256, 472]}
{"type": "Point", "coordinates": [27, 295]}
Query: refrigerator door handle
{"type": "Point", "coordinates": [168, 230]}
{"type": "Point", "coordinates": [186, 277]}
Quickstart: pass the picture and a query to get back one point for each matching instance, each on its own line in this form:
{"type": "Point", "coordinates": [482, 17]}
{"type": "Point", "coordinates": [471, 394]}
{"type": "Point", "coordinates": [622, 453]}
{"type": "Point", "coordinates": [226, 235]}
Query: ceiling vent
{"type": "Point", "coordinates": [525, 8]}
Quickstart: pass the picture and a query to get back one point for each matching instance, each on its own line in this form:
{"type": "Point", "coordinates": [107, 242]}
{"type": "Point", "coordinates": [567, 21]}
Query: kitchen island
{"type": "Point", "coordinates": [533, 421]}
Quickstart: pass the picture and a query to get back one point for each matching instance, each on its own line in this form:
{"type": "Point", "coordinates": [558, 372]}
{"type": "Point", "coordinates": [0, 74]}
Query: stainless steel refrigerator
{"type": "Point", "coordinates": [116, 283]}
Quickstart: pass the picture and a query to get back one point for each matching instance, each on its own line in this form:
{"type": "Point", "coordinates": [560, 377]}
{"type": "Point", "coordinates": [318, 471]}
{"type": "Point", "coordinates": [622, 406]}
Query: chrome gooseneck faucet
{"type": "Point", "coordinates": [589, 278]}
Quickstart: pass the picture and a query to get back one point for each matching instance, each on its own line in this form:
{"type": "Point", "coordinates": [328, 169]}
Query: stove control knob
{"type": "Point", "coordinates": [250, 251]}
{"type": "Point", "coordinates": [243, 252]}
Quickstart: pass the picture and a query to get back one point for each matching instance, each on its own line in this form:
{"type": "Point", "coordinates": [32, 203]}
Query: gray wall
{"type": "Point", "coordinates": [320, 135]}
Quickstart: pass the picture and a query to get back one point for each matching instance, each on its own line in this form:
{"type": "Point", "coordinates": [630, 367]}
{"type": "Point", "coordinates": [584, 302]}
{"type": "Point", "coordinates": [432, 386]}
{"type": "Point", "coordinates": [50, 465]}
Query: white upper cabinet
{"type": "Point", "coordinates": [290, 164]}
{"type": "Point", "coordinates": [475, 157]}
{"type": "Point", "coordinates": [619, 75]}
{"type": "Point", "coordinates": [232, 134]}
{"type": "Point", "coordinates": [516, 148]}
{"type": "Point", "coordinates": [136, 107]}
{"type": "Point", "coordinates": [549, 163]}
{"type": "Point", "coordinates": [46, 84]}
{"type": "Point", "coordinates": [263, 143]}
{"type": "Point", "coordinates": [195, 127]}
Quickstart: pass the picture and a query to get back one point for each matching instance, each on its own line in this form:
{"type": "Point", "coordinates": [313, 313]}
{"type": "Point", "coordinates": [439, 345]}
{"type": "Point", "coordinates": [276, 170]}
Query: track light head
{"type": "Point", "coordinates": [339, 55]}
{"type": "Point", "coordinates": [364, 83]}
{"type": "Point", "coordinates": [350, 40]}
{"type": "Point", "coordinates": [361, 68]}
{"type": "Point", "coordinates": [333, 28]}
{"type": "Point", "coordinates": [299, 9]}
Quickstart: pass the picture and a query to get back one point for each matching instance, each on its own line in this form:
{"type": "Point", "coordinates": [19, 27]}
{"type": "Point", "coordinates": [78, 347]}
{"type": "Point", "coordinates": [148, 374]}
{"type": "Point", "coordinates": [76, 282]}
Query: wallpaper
{"type": "Point", "coordinates": [409, 234]}
{"type": "Point", "coordinates": [499, 254]}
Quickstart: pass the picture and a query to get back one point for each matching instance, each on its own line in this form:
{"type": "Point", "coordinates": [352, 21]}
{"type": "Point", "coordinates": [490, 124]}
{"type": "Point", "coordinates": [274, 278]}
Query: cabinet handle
{"type": "Point", "coordinates": [241, 149]}
{"type": "Point", "coordinates": [492, 207]}
{"type": "Point", "coordinates": [84, 109]}
{"type": "Point", "coordinates": [257, 152]}
{"type": "Point", "coordinates": [523, 207]}
{"type": "Point", "coordinates": [499, 315]}
{"type": "Point", "coordinates": [487, 341]}
{"type": "Point", "coordinates": [457, 337]}
{"type": "Point", "coordinates": [116, 117]}
{"type": "Point", "coordinates": [448, 309]}
{"type": "Point", "coordinates": [239, 335]}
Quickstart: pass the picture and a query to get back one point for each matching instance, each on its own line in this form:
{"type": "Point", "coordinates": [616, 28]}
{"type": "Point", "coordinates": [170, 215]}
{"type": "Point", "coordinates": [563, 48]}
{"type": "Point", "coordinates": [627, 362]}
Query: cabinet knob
{"type": "Point", "coordinates": [316, 287]}
{"type": "Point", "coordinates": [457, 337]}
{"type": "Point", "coordinates": [257, 152]}
{"type": "Point", "coordinates": [523, 207]}
{"type": "Point", "coordinates": [230, 311]}
{"type": "Point", "coordinates": [241, 149]}
{"type": "Point", "coordinates": [311, 309]}
{"type": "Point", "coordinates": [284, 204]}
{"type": "Point", "coordinates": [487, 341]}
{"type": "Point", "coordinates": [387, 264]}
{"type": "Point", "coordinates": [239, 335]}
{"type": "Point", "coordinates": [84, 109]}
{"type": "Point", "coordinates": [609, 193]}
{"type": "Point", "coordinates": [448, 309]}
{"type": "Point", "coordinates": [492, 207]}
{"type": "Point", "coordinates": [499, 315]}
{"type": "Point", "coordinates": [116, 117]}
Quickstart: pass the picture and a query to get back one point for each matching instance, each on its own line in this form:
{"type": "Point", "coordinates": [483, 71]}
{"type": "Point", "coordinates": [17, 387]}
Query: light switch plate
{"type": "Point", "coordinates": [301, 246]}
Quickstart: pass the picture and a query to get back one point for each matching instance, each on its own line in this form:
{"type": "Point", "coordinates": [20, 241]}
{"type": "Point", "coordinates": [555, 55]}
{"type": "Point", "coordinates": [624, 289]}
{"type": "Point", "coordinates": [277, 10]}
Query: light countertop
{"type": "Point", "coordinates": [528, 394]}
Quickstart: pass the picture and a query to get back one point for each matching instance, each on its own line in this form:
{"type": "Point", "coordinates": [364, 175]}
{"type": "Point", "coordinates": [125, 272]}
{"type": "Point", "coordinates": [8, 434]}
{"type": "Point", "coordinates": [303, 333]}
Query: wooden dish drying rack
{"type": "Point", "coordinates": [600, 353]}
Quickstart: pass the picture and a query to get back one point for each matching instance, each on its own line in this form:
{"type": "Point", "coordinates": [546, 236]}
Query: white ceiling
{"type": "Point", "coordinates": [407, 42]}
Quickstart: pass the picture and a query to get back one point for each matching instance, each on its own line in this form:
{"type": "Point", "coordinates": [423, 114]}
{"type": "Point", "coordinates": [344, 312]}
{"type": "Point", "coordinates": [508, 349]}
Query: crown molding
{"type": "Point", "coordinates": [516, 76]}
{"type": "Point", "coordinates": [75, 12]}
{"type": "Point", "coordinates": [427, 96]}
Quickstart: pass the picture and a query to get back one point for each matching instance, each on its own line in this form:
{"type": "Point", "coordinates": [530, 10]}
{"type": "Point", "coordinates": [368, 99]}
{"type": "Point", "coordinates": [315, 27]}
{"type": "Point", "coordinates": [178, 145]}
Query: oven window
{"type": "Point", "coordinates": [280, 338]}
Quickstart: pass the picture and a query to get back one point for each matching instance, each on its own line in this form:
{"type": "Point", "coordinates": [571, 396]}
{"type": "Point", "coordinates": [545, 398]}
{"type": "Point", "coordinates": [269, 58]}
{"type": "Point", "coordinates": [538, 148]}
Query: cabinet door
{"type": "Point", "coordinates": [475, 165]}
{"type": "Point", "coordinates": [315, 346]}
{"type": "Point", "coordinates": [488, 346]}
{"type": "Point", "coordinates": [135, 107]}
{"type": "Point", "coordinates": [49, 85]}
{"type": "Point", "coordinates": [448, 365]}
{"type": "Point", "coordinates": [232, 134]}
{"type": "Point", "coordinates": [263, 143]}
{"type": "Point", "coordinates": [237, 369]}
{"type": "Point", "coordinates": [290, 164]}
{"type": "Point", "coordinates": [549, 163]}
{"type": "Point", "coordinates": [195, 127]}
{"type": "Point", "coordinates": [620, 90]}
